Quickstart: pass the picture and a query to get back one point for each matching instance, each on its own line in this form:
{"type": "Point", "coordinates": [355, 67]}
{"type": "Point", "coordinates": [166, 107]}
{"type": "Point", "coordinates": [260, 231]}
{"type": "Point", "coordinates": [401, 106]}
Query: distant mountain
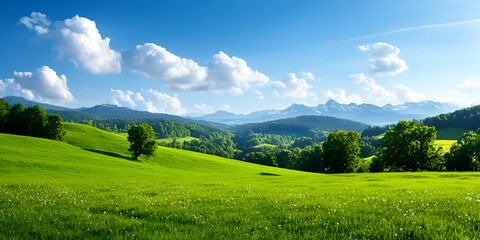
{"type": "Point", "coordinates": [27, 103]}
{"type": "Point", "coordinates": [302, 126]}
{"type": "Point", "coordinates": [426, 108]}
{"type": "Point", "coordinates": [367, 113]}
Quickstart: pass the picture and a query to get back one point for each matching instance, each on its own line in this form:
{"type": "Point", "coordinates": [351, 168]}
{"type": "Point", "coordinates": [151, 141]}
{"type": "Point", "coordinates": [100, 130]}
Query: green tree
{"type": "Point", "coordinates": [35, 119]}
{"type": "Point", "coordinates": [4, 110]}
{"type": "Point", "coordinates": [54, 128]}
{"type": "Point", "coordinates": [340, 152]}
{"type": "Point", "coordinates": [142, 140]}
{"type": "Point", "coordinates": [409, 147]}
{"type": "Point", "coordinates": [465, 153]}
{"type": "Point", "coordinates": [16, 121]}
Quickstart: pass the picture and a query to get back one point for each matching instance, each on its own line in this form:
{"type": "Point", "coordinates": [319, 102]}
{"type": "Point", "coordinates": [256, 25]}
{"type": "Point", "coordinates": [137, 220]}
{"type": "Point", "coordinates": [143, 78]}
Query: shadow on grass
{"type": "Point", "coordinates": [269, 174]}
{"type": "Point", "coordinates": [113, 155]}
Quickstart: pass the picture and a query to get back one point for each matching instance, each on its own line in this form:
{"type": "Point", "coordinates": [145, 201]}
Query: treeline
{"type": "Point", "coordinates": [339, 153]}
{"type": "Point", "coordinates": [32, 121]}
{"type": "Point", "coordinates": [303, 126]}
{"type": "Point", "coordinates": [163, 128]}
{"type": "Point", "coordinates": [407, 146]}
{"type": "Point", "coordinates": [468, 118]}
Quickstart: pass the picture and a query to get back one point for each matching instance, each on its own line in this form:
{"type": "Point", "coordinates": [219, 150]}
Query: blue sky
{"type": "Point", "coordinates": [198, 57]}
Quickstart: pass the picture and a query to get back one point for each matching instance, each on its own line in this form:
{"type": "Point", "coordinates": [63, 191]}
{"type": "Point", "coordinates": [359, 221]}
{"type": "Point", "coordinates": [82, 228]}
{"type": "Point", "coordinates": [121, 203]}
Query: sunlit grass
{"type": "Point", "coordinates": [53, 190]}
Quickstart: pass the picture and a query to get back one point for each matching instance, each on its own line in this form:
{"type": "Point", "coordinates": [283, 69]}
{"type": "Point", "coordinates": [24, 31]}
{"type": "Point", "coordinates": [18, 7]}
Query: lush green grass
{"type": "Point", "coordinates": [181, 140]}
{"type": "Point", "coordinates": [53, 190]}
{"type": "Point", "coordinates": [450, 133]}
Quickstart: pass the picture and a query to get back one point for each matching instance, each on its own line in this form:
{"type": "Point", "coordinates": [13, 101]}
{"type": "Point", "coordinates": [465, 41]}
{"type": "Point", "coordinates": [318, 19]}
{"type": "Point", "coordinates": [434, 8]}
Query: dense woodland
{"type": "Point", "coordinates": [468, 118]}
{"type": "Point", "coordinates": [32, 121]}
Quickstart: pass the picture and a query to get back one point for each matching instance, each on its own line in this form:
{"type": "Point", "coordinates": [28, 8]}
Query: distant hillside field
{"type": "Point", "coordinates": [181, 140]}
{"type": "Point", "coordinates": [89, 188]}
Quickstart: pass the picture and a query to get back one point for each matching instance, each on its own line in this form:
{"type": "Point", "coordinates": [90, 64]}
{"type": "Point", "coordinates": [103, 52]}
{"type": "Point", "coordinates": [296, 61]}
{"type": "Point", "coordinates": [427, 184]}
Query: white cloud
{"type": "Point", "coordinates": [148, 100]}
{"type": "Point", "coordinates": [292, 87]}
{"type": "Point", "coordinates": [44, 84]}
{"type": "Point", "coordinates": [363, 48]}
{"type": "Point", "coordinates": [232, 74]}
{"type": "Point", "coordinates": [79, 39]}
{"type": "Point", "coordinates": [37, 21]}
{"type": "Point", "coordinates": [470, 83]}
{"type": "Point", "coordinates": [259, 94]}
{"type": "Point", "coordinates": [385, 59]}
{"type": "Point", "coordinates": [404, 94]}
{"type": "Point", "coordinates": [156, 62]}
{"type": "Point", "coordinates": [204, 108]}
{"type": "Point", "coordinates": [374, 91]}
{"type": "Point", "coordinates": [308, 75]}
{"type": "Point", "coordinates": [341, 96]}
{"type": "Point", "coordinates": [2, 86]}
{"type": "Point", "coordinates": [379, 95]}
{"type": "Point", "coordinates": [222, 74]}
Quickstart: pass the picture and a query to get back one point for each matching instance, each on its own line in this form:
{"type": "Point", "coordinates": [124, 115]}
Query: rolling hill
{"type": "Point", "coordinates": [93, 189]}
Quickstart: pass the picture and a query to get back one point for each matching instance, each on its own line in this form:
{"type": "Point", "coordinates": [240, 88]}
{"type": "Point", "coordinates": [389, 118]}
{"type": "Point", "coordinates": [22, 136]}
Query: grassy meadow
{"type": "Point", "coordinates": [89, 187]}
{"type": "Point", "coordinates": [180, 140]}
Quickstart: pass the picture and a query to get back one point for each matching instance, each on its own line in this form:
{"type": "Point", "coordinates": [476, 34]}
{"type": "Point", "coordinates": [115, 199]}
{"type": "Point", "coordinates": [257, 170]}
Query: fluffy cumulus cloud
{"type": "Point", "coordinates": [222, 74]}
{"type": "Point", "coordinates": [374, 91]}
{"type": "Point", "coordinates": [37, 21]}
{"type": "Point", "coordinates": [379, 95]}
{"type": "Point", "coordinates": [44, 85]}
{"type": "Point", "coordinates": [385, 60]}
{"type": "Point", "coordinates": [292, 87]}
{"type": "Point", "coordinates": [79, 39]}
{"type": "Point", "coordinates": [404, 94]}
{"type": "Point", "coordinates": [341, 96]}
{"type": "Point", "coordinates": [148, 100]}
{"type": "Point", "coordinates": [232, 74]}
{"type": "Point", "coordinates": [156, 62]}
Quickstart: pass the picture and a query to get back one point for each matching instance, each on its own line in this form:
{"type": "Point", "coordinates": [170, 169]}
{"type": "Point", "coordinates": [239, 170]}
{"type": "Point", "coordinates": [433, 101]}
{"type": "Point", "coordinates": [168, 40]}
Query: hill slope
{"type": "Point", "coordinates": [54, 190]}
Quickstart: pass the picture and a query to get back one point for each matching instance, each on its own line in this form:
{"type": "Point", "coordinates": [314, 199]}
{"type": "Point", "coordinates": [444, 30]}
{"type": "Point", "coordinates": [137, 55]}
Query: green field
{"type": "Point", "coordinates": [180, 140]}
{"type": "Point", "coordinates": [91, 188]}
{"type": "Point", "coordinates": [445, 144]}
{"type": "Point", "coordinates": [265, 145]}
{"type": "Point", "coordinates": [450, 133]}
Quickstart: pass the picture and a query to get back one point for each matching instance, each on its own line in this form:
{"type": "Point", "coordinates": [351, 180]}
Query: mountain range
{"type": "Point", "coordinates": [366, 113]}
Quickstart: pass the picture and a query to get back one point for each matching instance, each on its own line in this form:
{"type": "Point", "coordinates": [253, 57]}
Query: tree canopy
{"type": "Point", "coordinates": [465, 153]}
{"type": "Point", "coordinates": [408, 147]}
{"type": "Point", "coordinates": [340, 152]}
{"type": "Point", "coordinates": [142, 140]}
{"type": "Point", "coordinates": [32, 121]}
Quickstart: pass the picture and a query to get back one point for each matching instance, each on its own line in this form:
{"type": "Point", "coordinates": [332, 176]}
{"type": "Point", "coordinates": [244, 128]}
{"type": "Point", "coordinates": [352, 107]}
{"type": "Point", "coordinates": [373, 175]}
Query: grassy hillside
{"type": "Point", "coordinates": [181, 140]}
{"type": "Point", "coordinates": [54, 190]}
